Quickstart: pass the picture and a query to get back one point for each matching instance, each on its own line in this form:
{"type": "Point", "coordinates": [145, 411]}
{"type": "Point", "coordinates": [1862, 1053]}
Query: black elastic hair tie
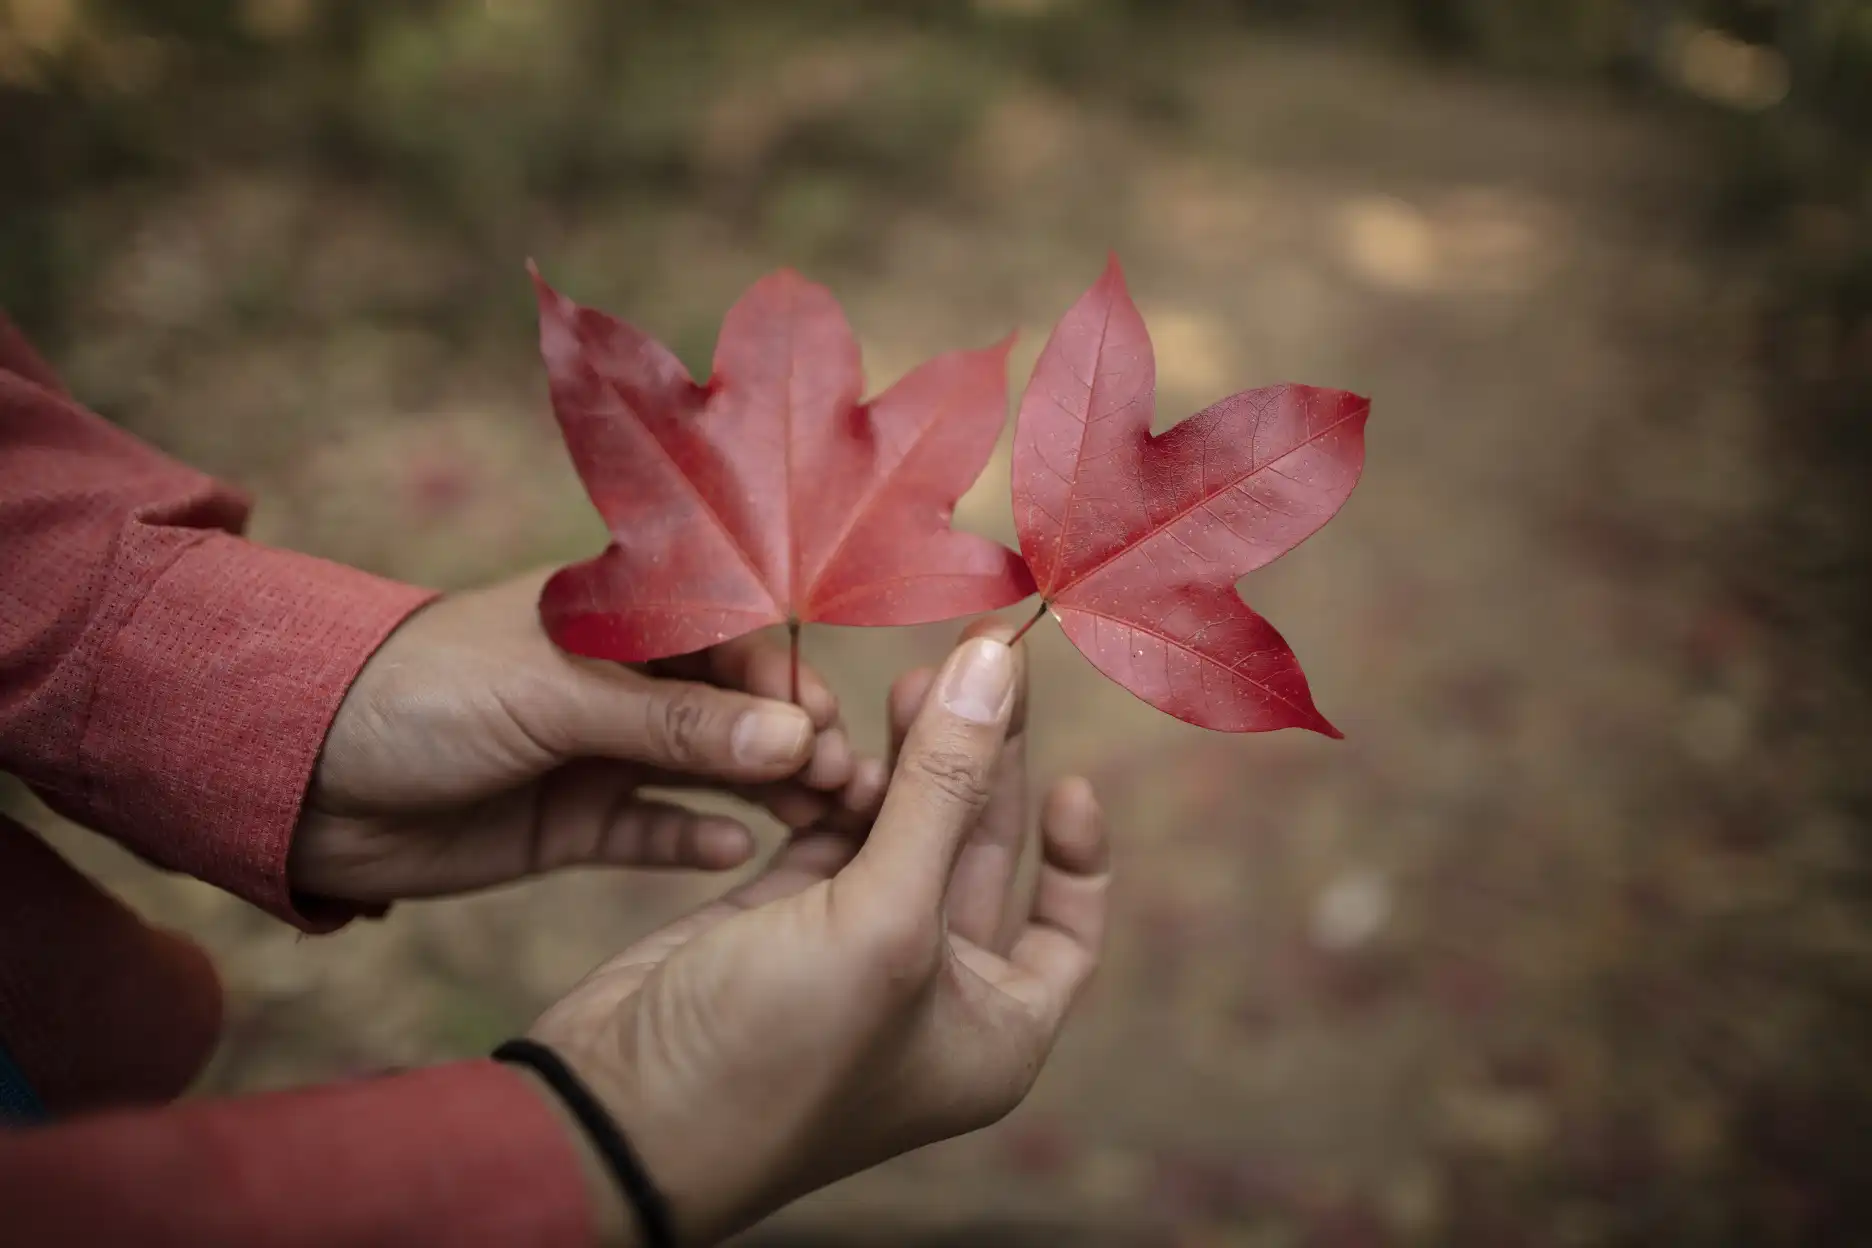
{"type": "Point", "coordinates": [652, 1210]}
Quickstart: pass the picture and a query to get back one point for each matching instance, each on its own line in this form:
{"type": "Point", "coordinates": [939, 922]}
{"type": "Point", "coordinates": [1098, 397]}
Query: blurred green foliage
{"type": "Point", "coordinates": [492, 122]}
{"type": "Point", "coordinates": [474, 107]}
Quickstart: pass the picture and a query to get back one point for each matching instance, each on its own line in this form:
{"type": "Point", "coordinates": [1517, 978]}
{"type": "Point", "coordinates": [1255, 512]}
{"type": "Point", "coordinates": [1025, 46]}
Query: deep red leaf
{"type": "Point", "coordinates": [770, 493]}
{"type": "Point", "coordinates": [1136, 541]}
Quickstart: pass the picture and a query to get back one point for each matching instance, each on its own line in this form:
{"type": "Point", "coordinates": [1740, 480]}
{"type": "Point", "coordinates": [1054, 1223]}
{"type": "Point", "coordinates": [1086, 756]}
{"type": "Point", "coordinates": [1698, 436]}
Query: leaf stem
{"type": "Point", "coordinates": [1029, 624]}
{"type": "Point", "coordinates": [792, 628]}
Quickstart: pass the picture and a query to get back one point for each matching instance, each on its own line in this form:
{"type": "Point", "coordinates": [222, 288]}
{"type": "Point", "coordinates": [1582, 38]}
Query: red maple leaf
{"type": "Point", "coordinates": [1136, 541]}
{"type": "Point", "coordinates": [769, 494]}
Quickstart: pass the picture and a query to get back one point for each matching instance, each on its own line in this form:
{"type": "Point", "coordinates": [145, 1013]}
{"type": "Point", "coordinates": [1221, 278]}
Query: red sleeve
{"type": "Point", "coordinates": [461, 1155]}
{"type": "Point", "coordinates": [161, 680]}
{"type": "Point", "coordinates": [98, 1009]}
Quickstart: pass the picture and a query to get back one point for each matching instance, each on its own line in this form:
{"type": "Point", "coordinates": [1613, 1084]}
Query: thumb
{"type": "Point", "coordinates": [605, 711]}
{"type": "Point", "coordinates": [942, 781]}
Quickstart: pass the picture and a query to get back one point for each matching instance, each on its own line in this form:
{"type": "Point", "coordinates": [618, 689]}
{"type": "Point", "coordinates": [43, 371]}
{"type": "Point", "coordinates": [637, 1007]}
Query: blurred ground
{"type": "Point", "coordinates": [1559, 947]}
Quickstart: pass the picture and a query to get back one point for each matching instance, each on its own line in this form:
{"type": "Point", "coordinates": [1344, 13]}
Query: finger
{"type": "Point", "coordinates": [756, 664]}
{"type": "Point", "coordinates": [980, 889]}
{"type": "Point", "coordinates": [791, 802]}
{"type": "Point", "coordinates": [652, 834]}
{"type": "Point", "coordinates": [849, 809]}
{"type": "Point", "coordinates": [679, 726]}
{"type": "Point", "coordinates": [762, 668]}
{"type": "Point", "coordinates": [809, 858]}
{"type": "Point", "coordinates": [906, 699]}
{"type": "Point", "coordinates": [1060, 947]}
{"type": "Point", "coordinates": [941, 782]}
{"type": "Point", "coordinates": [1000, 630]}
{"type": "Point", "coordinates": [589, 814]}
{"type": "Point", "coordinates": [980, 901]}
{"type": "Point", "coordinates": [759, 665]}
{"type": "Point", "coordinates": [978, 905]}
{"type": "Point", "coordinates": [860, 801]}
{"type": "Point", "coordinates": [579, 816]}
{"type": "Point", "coordinates": [909, 690]}
{"type": "Point", "coordinates": [830, 768]}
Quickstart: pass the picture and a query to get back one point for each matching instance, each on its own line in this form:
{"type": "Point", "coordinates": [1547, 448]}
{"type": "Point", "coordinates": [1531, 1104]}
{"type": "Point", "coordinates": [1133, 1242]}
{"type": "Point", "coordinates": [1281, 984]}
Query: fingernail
{"type": "Point", "coordinates": [773, 734]}
{"type": "Point", "coordinates": [979, 681]}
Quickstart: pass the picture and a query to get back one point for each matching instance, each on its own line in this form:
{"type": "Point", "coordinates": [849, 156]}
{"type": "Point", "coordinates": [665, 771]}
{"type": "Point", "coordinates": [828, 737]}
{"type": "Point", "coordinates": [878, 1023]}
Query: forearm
{"type": "Point", "coordinates": [469, 1154]}
{"type": "Point", "coordinates": [161, 680]}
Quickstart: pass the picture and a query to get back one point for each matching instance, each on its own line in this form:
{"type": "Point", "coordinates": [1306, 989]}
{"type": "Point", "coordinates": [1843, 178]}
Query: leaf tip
{"type": "Point", "coordinates": [542, 290]}
{"type": "Point", "coordinates": [1320, 724]}
{"type": "Point", "coordinates": [1114, 271]}
{"type": "Point", "coordinates": [787, 291]}
{"type": "Point", "coordinates": [791, 280]}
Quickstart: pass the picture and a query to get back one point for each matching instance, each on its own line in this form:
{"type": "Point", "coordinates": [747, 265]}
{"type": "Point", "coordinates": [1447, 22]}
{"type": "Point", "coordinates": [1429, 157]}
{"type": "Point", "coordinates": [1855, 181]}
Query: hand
{"type": "Point", "coordinates": [853, 1003]}
{"type": "Point", "coordinates": [471, 751]}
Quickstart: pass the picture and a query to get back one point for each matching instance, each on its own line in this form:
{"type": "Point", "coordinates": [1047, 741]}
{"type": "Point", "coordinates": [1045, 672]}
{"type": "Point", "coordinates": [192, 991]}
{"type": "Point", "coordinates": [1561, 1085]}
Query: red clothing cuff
{"type": "Point", "coordinates": [212, 703]}
{"type": "Point", "coordinates": [465, 1154]}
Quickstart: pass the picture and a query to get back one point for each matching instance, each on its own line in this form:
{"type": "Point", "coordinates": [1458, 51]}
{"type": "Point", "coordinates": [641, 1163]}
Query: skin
{"type": "Point", "coordinates": [862, 997]}
{"type": "Point", "coordinates": [885, 981]}
{"type": "Point", "coordinates": [471, 752]}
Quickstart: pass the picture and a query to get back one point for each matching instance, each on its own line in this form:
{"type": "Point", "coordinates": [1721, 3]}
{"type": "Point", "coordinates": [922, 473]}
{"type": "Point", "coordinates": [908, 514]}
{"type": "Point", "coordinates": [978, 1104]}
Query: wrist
{"type": "Point", "coordinates": [700, 1174]}
{"type": "Point", "coordinates": [613, 1223]}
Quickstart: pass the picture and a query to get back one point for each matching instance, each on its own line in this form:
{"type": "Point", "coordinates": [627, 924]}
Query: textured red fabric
{"type": "Point", "coordinates": [98, 1008]}
{"type": "Point", "coordinates": [461, 1155]}
{"type": "Point", "coordinates": [170, 685]}
{"type": "Point", "coordinates": [160, 680]}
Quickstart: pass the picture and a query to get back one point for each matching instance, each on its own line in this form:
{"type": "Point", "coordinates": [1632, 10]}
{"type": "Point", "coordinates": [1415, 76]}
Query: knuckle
{"type": "Point", "coordinates": [680, 727]}
{"type": "Point", "coordinates": [957, 775]}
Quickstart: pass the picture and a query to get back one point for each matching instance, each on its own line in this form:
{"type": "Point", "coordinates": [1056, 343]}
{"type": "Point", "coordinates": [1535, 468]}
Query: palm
{"type": "Point", "coordinates": [764, 991]}
{"type": "Point", "coordinates": [589, 812]}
